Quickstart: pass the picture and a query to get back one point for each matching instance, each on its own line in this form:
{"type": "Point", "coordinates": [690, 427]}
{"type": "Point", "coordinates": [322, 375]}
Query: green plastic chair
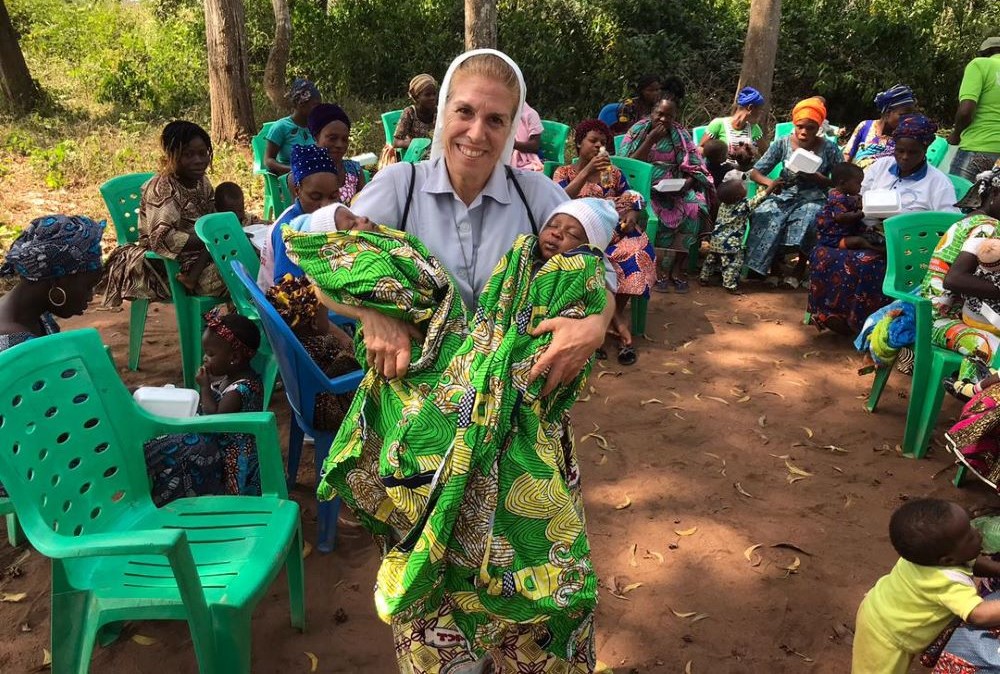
{"type": "Point", "coordinates": [225, 240]}
{"type": "Point", "coordinates": [910, 240]}
{"type": "Point", "coordinates": [640, 178]}
{"type": "Point", "coordinates": [553, 141]}
{"type": "Point", "coordinates": [697, 133]}
{"type": "Point", "coordinates": [259, 145]}
{"type": "Point", "coordinates": [280, 195]}
{"type": "Point", "coordinates": [389, 121]}
{"type": "Point", "coordinates": [14, 534]}
{"type": "Point", "coordinates": [961, 185]}
{"type": "Point", "coordinates": [122, 195]}
{"type": "Point", "coordinates": [937, 150]}
{"type": "Point", "coordinates": [415, 152]}
{"type": "Point", "coordinates": [71, 456]}
{"type": "Point", "coordinates": [783, 129]}
{"type": "Point", "coordinates": [618, 143]}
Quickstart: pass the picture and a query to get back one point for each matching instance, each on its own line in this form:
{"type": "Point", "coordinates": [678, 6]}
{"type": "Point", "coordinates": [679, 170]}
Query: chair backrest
{"type": "Point", "coordinates": [259, 144]}
{"type": "Point", "coordinates": [640, 178]}
{"type": "Point", "coordinates": [618, 143]}
{"type": "Point", "coordinates": [697, 133]}
{"type": "Point", "coordinates": [553, 141]}
{"type": "Point", "coordinates": [225, 240]}
{"type": "Point", "coordinates": [301, 376]}
{"type": "Point", "coordinates": [122, 195]}
{"type": "Point", "coordinates": [415, 152]}
{"type": "Point", "coordinates": [389, 121]}
{"type": "Point", "coordinates": [910, 239]}
{"type": "Point", "coordinates": [783, 129]}
{"type": "Point", "coordinates": [71, 440]}
{"type": "Point", "coordinates": [937, 150]}
{"type": "Point", "coordinates": [280, 192]}
{"type": "Point", "coordinates": [961, 185]}
{"type": "Point", "coordinates": [609, 114]}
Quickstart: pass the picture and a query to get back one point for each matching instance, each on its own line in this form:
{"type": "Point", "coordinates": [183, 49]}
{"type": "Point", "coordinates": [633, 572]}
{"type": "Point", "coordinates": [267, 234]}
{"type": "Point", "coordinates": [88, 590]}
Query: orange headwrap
{"type": "Point", "coordinates": [810, 108]}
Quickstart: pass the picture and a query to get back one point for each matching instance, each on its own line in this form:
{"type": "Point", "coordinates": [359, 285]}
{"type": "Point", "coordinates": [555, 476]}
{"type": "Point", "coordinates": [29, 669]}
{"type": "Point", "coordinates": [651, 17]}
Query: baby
{"type": "Point", "coordinates": [586, 221]}
{"type": "Point", "coordinates": [717, 161]}
{"type": "Point", "coordinates": [930, 584]}
{"type": "Point", "coordinates": [725, 246]}
{"type": "Point", "coordinates": [988, 254]}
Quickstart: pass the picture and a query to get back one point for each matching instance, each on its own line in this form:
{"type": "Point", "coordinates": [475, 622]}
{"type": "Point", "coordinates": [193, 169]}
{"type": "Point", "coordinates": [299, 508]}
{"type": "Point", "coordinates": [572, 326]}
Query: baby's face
{"type": "Point", "coordinates": [562, 234]}
{"type": "Point", "coordinates": [345, 221]}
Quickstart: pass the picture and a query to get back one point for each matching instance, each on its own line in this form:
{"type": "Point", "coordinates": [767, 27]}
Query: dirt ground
{"type": "Point", "coordinates": [730, 398]}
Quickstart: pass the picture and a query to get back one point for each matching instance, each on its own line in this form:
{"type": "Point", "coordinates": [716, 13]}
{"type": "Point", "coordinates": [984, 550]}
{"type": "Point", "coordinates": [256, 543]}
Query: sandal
{"type": "Point", "coordinates": [601, 354]}
{"type": "Point", "coordinates": [792, 282]}
{"type": "Point", "coordinates": [627, 355]}
{"type": "Point", "coordinates": [681, 285]}
{"type": "Point", "coordinates": [662, 285]}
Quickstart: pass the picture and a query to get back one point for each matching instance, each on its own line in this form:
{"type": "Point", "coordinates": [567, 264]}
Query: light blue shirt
{"type": "Point", "coordinates": [468, 240]}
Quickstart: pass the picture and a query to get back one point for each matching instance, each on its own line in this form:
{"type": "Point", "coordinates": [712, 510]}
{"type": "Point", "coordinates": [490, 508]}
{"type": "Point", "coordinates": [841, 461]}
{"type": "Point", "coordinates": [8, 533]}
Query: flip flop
{"type": "Point", "coordinates": [627, 355]}
{"type": "Point", "coordinates": [601, 354]}
{"type": "Point", "coordinates": [662, 285]}
{"type": "Point", "coordinates": [681, 286]}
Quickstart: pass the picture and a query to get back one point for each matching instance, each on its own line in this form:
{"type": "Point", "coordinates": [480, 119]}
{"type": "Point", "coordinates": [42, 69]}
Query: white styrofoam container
{"type": "Point", "coordinates": [881, 203]}
{"type": "Point", "coordinates": [669, 185]}
{"type": "Point", "coordinates": [258, 234]}
{"type": "Point", "coordinates": [803, 161]}
{"type": "Point", "coordinates": [167, 401]}
{"type": "Point", "coordinates": [366, 159]}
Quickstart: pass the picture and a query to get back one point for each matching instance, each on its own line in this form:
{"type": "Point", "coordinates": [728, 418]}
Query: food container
{"type": "Point", "coordinates": [881, 204]}
{"type": "Point", "coordinates": [167, 401]}
{"type": "Point", "coordinates": [258, 234]}
{"type": "Point", "coordinates": [366, 159]}
{"type": "Point", "coordinates": [669, 185]}
{"type": "Point", "coordinates": [803, 161]}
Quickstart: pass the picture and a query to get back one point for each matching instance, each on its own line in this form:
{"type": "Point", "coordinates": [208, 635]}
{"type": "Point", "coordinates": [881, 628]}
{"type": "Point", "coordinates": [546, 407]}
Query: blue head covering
{"type": "Point", "coordinates": [917, 127]}
{"type": "Point", "coordinates": [54, 246]}
{"type": "Point", "coordinates": [893, 97]}
{"type": "Point", "coordinates": [302, 90]}
{"type": "Point", "coordinates": [749, 96]}
{"type": "Point", "coordinates": [323, 114]}
{"type": "Point", "coordinates": [309, 159]}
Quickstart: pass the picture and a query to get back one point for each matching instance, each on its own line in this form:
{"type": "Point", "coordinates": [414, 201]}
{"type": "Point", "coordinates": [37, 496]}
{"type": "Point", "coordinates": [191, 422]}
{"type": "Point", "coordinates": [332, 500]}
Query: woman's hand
{"type": "Point", "coordinates": [387, 343]}
{"type": "Point", "coordinates": [600, 163]}
{"type": "Point", "coordinates": [658, 132]}
{"type": "Point", "coordinates": [630, 222]}
{"type": "Point", "coordinates": [688, 185]}
{"type": "Point", "coordinates": [574, 341]}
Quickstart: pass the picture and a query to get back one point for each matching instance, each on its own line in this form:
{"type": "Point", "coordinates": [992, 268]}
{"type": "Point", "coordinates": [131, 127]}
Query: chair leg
{"type": "Point", "coordinates": [881, 377]}
{"type": "Point", "coordinates": [232, 636]}
{"type": "Point", "coordinates": [326, 519]}
{"type": "Point", "coordinates": [639, 307]}
{"type": "Point", "coordinates": [295, 439]}
{"type": "Point", "coordinates": [919, 429]}
{"type": "Point", "coordinates": [15, 536]}
{"type": "Point", "coordinates": [959, 475]}
{"type": "Point", "coordinates": [189, 332]}
{"type": "Point", "coordinates": [72, 633]}
{"type": "Point", "coordinates": [136, 329]}
{"type": "Point", "coordinates": [294, 569]}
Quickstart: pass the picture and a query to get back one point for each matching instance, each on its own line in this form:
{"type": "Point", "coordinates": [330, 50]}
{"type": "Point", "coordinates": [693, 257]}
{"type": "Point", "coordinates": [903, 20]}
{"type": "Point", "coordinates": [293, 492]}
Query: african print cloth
{"type": "Point", "coordinates": [462, 457]}
{"type": "Point", "coordinates": [54, 246]}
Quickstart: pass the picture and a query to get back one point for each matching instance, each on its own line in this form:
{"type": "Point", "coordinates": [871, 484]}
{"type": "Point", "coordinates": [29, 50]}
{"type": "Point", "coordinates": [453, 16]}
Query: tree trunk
{"type": "Point", "coordinates": [19, 90]}
{"type": "Point", "coordinates": [228, 77]}
{"type": "Point", "coordinates": [760, 51]}
{"type": "Point", "coordinates": [480, 24]}
{"type": "Point", "coordinates": [277, 59]}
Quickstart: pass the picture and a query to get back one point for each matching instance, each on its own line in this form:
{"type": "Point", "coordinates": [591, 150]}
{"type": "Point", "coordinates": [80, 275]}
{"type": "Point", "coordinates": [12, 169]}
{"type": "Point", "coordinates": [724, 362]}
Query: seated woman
{"type": "Point", "coordinates": [290, 131]}
{"type": "Point", "coordinates": [332, 129]}
{"type": "Point", "coordinates": [630, 252]}
{"type": "Point", "coordinates": [648, 91]}
{"type": "Point", "coordinates": [872, 139]}
{"type": "Point", "coordinates": [921, 187]}
{"type": "Point", "coordinates": [740, 131]}
{"type": "Point", "coordinates": [171, 202]}
{"type": "Point", "coordinates": [417, 120]}
{"type": "Point", "coordinates": [528, 141]}
{"type": "Point", "coordinates": [785, 221]}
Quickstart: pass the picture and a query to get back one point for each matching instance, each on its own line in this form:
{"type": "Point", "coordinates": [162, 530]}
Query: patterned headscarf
{"type": "Point", "coordinates": [811, 108]}
{"type": "Point", "coordinates": [987, 183]}
{"type": "Point", "coordinates": [749, 96]}
{"type": "Point", "coordinates": [323, 114]}
{"type": "Point", "coordinates": [893, 97]}
{"type": "Point", "coordinates": [309, 159]}
{"type": "Point", "coordinates": [302, 91]}
{"type": "Point", "coordinates": [917, 127]}
{"type": "Point", "coordinates": [214, 323]}
{"type": "Point", "coordinates": [588, 125]}
{"type": "Point", "coordinates": [294, 300]}
{"type": "Point", "coordinates": [419, 83]}
{"type": "Point", "coordinates": [54, 246]}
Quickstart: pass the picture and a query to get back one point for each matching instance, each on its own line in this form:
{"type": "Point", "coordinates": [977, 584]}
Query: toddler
{"type": "Point", "coordinates": [725, 246]}
{"type": "Point", "coordinates": [717, 160]}
{"type": "Point", "coordinates": [842, 217]}
{"type": "Point", "coordinates": [228, 199]}
{"type": "Point", "coordinates": [931, 583]}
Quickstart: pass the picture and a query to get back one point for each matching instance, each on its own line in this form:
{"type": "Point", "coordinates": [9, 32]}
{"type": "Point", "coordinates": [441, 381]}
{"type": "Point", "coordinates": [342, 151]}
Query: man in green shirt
{"type": "Point", "coordinates": [977, 122]}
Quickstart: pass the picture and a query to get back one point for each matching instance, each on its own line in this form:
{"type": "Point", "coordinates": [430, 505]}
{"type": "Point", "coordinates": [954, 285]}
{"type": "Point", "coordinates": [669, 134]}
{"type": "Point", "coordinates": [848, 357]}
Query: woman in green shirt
{"type": "Point", "coordinates": [740, 130]}
{"type": "Point", "coordinates": [291, 130]}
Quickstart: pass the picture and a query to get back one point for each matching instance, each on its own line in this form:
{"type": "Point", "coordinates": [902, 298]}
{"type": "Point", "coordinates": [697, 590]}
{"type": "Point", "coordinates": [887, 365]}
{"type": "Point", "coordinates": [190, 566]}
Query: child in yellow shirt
{"type": "Point", "coordinates": [931, 583]}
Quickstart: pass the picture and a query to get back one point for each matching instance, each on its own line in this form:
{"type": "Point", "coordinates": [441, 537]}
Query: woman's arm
{"type": "Point", "coordinates": [403, 134]}
{"type": "Point", "coordinates": [529, 146]}
{"type": "Point", "coordinates": [583, 176]}
{"type": "Point", "coordinates": [961, 280]}
{"type": "Point", "coordinates": [271, 162]}
{"type": "Point", "coordinates": [775, 153]}
{"type": "Point", "coordinates": [574, 341]}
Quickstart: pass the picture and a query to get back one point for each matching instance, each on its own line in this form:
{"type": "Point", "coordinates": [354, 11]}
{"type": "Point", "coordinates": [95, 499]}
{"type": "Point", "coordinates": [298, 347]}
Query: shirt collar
{"type": "Point", "coordinates": [919, 174]}
{"type": "Point", "coordinates": [438, 182]}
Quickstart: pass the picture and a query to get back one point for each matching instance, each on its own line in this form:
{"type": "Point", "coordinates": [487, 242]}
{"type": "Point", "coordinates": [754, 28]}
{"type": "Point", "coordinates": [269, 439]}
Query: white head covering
{"type": "Point", "coordinates": [321, 220]}
{"type": "Point", "coordinates": [597, 216]}
{"type": "Point", "coordinates": [437, 146]}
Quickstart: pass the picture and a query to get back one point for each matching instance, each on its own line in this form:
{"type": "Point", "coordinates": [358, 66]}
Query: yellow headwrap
{"type": "Point", "coordinates": [418, 83]}
{"type": "Point", "coordinates": [811, 108]}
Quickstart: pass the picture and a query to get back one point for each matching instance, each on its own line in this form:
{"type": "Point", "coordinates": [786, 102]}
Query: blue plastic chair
{"type": "Point", "coordinates": [609, 114]}
{"type": "Point", "coordinates": [303, 382]}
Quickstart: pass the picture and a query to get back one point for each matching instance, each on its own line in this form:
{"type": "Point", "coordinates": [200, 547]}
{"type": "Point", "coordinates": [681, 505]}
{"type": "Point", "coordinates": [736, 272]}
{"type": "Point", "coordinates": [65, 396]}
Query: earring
{"type": "Point", "coordinates": [61, 301]}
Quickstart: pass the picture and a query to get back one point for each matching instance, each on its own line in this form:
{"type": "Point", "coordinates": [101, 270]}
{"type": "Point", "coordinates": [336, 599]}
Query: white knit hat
{"type": "Point", "coordinates": [598, 218]}
{"type": "Point", "coordinates": [322, 220]}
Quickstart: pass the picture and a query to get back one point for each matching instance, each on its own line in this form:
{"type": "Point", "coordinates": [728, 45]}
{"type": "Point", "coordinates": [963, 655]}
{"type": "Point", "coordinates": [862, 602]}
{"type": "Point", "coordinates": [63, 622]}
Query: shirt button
{"type": "Point", "coordinates": [465, 227]}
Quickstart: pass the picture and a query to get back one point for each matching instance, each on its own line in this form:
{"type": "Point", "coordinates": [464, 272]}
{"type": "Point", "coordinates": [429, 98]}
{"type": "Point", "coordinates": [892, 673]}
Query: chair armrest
{"type": "Point", "coordinates": [346, 383]}
{"type": "Point", "coordinates": [150, 255]}
{"type": "Point", "coordinates": [261, 425]}
{"type": "Point", "coordinates": [141, 542]}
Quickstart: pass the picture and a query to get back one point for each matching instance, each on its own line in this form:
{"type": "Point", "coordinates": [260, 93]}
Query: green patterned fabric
{"type": "Point", "coordinates": [461, 463]}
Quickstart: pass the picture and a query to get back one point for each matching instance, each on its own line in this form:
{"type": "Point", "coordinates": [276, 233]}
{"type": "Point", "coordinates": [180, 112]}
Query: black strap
{"type": "Point", "coordinates": [520, 193]}
{"type": "Point", "coordinates": [409, 197]}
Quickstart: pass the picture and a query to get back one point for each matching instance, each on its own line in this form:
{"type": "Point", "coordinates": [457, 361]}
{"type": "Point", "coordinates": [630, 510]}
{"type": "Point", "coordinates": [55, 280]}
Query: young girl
{"type": "Point", "coordinates": [229, 384]}
{"type": "Point", "coordinates": [329, 346]}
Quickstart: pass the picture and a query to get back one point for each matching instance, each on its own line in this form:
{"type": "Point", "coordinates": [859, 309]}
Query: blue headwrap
{"type": "Point", "coordinates": [325, 113]}
{"type": "Point", "coordinates": [309, 159]}
{"type": "Point", "coordinates": [302, 90]}
{"type": "Point", "coordinates": [893, 97]}
{"type": "Point", "coordinates": [53, 246]}
{"type": "Point", "coordinates": [917, 127]}
{"type": "Point", "coordinates": [749, 96]}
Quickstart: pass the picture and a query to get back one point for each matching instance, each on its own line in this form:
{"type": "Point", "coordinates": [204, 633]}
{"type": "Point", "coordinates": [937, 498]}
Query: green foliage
{"type": "Point", "coordinates": [53, 162]}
